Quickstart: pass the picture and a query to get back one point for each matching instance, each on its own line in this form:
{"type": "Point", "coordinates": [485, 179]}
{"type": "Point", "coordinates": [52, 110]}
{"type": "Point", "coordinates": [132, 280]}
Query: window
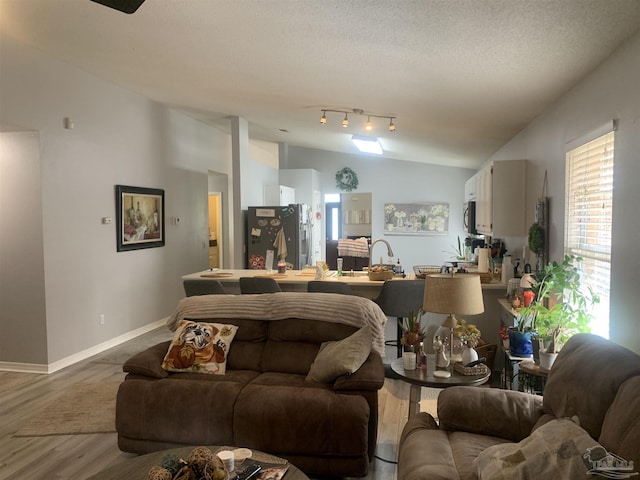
{"type": "Point", "coordinates": [588, 207]}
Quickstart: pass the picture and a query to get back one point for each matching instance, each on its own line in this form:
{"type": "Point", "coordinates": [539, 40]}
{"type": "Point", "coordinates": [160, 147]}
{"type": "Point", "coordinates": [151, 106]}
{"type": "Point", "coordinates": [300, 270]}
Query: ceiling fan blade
{"type": "Point", "coordinates": [126, 6]}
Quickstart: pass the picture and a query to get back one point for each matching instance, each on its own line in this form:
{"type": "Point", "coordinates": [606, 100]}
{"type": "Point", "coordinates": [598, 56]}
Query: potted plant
{"type": "Point", "coordinates": [561, 307]}
{"type": "Point", "coordinates": [412, 331]}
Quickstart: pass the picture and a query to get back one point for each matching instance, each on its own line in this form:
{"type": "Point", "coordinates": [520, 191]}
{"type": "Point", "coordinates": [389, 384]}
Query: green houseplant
{"type": "Point", "coordinates": [561, 307]}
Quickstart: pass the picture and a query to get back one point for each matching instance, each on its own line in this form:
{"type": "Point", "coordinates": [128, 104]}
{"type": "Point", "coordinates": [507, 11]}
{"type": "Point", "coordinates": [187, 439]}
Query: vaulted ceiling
{"type": "Point", "coordinates": [461, 77]}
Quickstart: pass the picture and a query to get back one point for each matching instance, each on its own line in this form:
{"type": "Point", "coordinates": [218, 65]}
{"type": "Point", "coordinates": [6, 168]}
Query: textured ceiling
{"type": "Point", "coordinates": [461, 76]}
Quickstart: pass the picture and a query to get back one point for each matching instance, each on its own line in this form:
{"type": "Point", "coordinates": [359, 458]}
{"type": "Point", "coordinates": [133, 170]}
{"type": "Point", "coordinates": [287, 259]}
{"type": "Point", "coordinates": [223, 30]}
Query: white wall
{"type": "Point", "coordinates": [392, 181]}
{"type": "Point", "coordinates": [119, 138]}
{"type": "Point", "coordinates": [612, 91]}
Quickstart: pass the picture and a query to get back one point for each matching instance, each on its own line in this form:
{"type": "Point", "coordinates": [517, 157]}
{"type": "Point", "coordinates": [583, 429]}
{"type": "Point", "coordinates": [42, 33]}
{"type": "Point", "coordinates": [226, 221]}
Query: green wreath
{"type": "Point", "coordinates": [346, 179]}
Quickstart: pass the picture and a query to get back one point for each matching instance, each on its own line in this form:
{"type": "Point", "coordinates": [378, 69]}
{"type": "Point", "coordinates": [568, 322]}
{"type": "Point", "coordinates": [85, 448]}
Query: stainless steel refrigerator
{"type": "Point", "coordinates": [264, 224]}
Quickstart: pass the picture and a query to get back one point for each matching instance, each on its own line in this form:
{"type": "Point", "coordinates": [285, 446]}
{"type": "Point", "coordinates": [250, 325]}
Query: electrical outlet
{"type": "Point", "coordinates": [102, 319]}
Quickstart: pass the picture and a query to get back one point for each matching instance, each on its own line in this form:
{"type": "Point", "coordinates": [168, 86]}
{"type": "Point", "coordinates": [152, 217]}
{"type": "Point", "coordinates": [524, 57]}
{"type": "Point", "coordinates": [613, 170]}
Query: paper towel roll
{"type": "Point", "coordinates": [483, 260]}
{"type": "Point", "coordinates": [507, 269]}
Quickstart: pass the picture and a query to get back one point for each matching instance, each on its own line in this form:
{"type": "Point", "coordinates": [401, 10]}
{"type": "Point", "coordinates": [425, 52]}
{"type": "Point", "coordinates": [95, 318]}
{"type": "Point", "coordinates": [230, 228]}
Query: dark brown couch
{"type": "Point", "coordinates": [592, 379]}
{"type": "Point", "coordinates": [263, 401]}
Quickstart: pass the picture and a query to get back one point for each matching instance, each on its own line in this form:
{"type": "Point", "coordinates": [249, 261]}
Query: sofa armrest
{"type": "Point", "coordinates": [500, 413]}
{"type": "Point", "coordinates": [370, 376]}
{"type": "Point", "coordinates": [148, 362]}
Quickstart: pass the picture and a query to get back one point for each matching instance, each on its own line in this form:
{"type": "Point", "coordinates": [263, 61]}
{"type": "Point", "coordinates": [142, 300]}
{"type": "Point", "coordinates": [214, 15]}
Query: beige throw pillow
{"type": "Point", "coordinates": [199, 347]}
{"type": "Point", "coordinates": [341, 357]}
{"type": "Point", "coordinates": [553, 451]}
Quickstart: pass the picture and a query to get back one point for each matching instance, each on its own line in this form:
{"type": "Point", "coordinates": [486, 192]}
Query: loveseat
{"type": "Point", "coordinates": [279, 393]}
{"type": "Point", "coordinates": [591, 398]}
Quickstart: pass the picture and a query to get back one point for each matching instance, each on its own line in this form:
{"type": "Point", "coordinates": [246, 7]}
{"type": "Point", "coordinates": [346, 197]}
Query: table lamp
{"type": "Point", "coordinates": [453, 294]}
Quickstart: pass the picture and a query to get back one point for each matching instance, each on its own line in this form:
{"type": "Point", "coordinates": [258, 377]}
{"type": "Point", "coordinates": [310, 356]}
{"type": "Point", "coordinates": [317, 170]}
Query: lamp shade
{"type": "Point", "coordinates": [457, 294]}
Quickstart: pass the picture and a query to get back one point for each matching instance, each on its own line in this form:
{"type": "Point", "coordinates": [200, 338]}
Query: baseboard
{"type": "Point", "coordinates": [83, 355]}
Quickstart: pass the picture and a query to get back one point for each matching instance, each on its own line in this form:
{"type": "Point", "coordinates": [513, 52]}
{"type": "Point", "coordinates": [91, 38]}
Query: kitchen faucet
{"type": "Point", "coordinates": [389, 251]}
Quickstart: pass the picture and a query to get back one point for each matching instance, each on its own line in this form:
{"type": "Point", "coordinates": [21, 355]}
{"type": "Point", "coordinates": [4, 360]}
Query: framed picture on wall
{"type": "Point", "coordinates": [416, 218]}
{"type": "Point", "coordinates": [139, 218]}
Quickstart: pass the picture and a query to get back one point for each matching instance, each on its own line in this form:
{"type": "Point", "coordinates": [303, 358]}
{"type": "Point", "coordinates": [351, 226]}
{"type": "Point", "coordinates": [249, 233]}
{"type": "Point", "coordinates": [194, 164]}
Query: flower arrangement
{"type": "Point", "coordinates": [203, 464]}
{"type": "Point", "coordinates": [412, 330]}
{"type": "Point", "coordinates": [389, 209]}
{"type": "Point", "coordinates": [468, 333]}
{"type": "Point", "coordinates": [503, 332]}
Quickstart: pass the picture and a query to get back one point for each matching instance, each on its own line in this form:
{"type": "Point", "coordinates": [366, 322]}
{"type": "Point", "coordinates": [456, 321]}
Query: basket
{"type": "Point", "coordinates": [381, 275]}
{"type": "Point", "coordinates": [480, 369]}
{"type": "Point", "coordinates": [488, 350]}
{"type": "Point", "coordinates": [422, 271]}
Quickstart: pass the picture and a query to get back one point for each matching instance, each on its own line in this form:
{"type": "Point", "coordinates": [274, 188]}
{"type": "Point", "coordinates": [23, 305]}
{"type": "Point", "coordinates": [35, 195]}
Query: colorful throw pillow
{"type": "Point", "coordinates": [199, 347]}
{"type": "Point", "coordinates": [341, 357]}
{"type": "Point", "coordinates": [554, 450]}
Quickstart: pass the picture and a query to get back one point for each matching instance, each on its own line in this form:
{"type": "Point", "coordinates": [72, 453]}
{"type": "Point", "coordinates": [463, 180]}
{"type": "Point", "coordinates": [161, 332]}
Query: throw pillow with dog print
{"type": "Point", "coordinates": [199, 347]}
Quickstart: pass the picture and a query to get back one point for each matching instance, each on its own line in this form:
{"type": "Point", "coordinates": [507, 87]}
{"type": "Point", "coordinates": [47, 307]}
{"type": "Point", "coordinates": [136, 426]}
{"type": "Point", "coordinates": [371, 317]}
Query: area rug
{"type": "Point", "coordinates": [81, 408]}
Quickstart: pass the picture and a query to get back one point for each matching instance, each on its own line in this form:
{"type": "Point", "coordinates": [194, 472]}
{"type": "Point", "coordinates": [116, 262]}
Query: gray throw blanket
{"type": "Point", "coordinates": [328, 307]}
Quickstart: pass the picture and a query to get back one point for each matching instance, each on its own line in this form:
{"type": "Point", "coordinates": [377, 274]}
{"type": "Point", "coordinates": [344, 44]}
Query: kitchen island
{"type": "Point", "coordinates": [296, 280]}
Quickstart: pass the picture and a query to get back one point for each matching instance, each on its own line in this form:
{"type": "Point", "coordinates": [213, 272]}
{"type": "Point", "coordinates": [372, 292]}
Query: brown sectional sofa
{"type": "Point", "coordinates": [264, 400]}
{"type": "Point", "coordinates": [592, 380]}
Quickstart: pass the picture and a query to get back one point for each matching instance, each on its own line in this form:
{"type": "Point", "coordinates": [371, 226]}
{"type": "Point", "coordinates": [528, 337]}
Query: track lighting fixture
{"type": "Point", "coordinates": [357, 111]}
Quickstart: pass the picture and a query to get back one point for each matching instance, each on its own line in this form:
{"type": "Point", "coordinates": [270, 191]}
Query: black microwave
{"type": "Point", "coordinates": [470, 218]}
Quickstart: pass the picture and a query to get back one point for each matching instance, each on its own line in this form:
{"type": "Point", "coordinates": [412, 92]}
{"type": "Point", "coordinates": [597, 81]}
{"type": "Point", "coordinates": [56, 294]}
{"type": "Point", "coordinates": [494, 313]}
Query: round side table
{"type": "Point", "coordinates": [420, 377]}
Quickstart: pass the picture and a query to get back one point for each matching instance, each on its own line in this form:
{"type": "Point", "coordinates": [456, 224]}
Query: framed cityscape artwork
{"type": "Point", "coordinates": [139, 218]}
{"type": "Point", "coordinates": [416, 218]}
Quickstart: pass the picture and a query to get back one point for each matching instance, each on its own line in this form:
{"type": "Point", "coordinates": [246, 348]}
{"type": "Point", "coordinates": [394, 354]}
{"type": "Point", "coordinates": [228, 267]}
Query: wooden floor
{"type": "Point", "coordinates": [80, 456]}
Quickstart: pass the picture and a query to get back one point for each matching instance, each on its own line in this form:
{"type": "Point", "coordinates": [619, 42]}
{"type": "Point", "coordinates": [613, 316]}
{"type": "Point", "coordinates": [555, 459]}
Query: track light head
{"type": "Point", "coordinates": [345, 122]}
{"type": "Point", "coordinates": [392, 127]}
{"type": "Point", "coordinates": [323, 118]}
{"type": "Point", "coordinates": [368, 126]}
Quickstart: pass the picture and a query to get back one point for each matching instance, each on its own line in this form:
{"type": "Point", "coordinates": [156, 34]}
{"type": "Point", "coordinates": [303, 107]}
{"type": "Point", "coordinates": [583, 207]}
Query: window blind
{"type": "Point", "coordinates": [588, 220]}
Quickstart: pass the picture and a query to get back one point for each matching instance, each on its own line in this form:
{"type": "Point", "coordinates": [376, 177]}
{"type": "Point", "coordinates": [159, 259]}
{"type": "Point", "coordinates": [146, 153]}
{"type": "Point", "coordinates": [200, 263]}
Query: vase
{"type": "Point", "coordinates": [520, 343]}
{"type": "Point", "coordinates": [546, 360]}
{"type": "Point", "coordinates": [469, 355]}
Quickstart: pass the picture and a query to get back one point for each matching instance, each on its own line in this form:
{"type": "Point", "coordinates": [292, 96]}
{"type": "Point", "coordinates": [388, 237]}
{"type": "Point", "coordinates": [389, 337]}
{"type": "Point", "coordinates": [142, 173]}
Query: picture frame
{"type": "Point", "coordinates": [429, 218]}
{"type": "Point", "coordinates": [139, 218]}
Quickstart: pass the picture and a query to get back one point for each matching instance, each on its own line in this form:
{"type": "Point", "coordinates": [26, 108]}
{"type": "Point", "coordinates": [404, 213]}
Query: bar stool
{"type": "Point", "coordinates": [195, 287]}
{"type": "Point", "coordinates": [328, 287]}
{"type": "Point", "coordinates": [258, 285]}
{"type": "Point", "coordinates": [397, 299]}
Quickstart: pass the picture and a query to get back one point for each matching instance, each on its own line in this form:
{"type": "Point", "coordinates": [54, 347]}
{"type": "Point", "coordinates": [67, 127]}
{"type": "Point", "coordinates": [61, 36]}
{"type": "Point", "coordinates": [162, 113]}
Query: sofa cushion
{"type": "Point", "coordinates": [341, 357]}
{"type": "Point", "coordinates": [428, 452]}
{"type": "Point", "coordinates": [585, 378]}
{"type": "Point", "coordinates": [294, 343]}
{"type": "Point", "coordinates": [308, 421]}
{"type": "Point", "coordinates": [200, 347]}
{"type": "Point", "coordinates": [555, 450]}
{"type": "Point", "coordinates": [178, 411]}
{"type": "Point", "coordinates": [621, 427]}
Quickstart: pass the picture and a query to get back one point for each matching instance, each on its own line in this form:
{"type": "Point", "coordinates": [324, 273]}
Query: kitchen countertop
{"type": "Point", "coordinates": [296, 280]}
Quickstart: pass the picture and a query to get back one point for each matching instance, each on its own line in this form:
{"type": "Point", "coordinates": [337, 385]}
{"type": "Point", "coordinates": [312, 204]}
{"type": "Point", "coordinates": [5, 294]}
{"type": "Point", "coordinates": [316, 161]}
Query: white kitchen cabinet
{"type": "Point", "coordinates": [279, 195]}
{"type": "Point", "coordinates": [500, 199]}
{"type": "Point", "coordinates": [470, 189]}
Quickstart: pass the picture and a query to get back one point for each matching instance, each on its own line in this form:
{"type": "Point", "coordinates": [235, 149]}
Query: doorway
{"type": "Point", "coordinates": [333, 216]}
{"type": "Point", "coordinates": [215, 230]}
